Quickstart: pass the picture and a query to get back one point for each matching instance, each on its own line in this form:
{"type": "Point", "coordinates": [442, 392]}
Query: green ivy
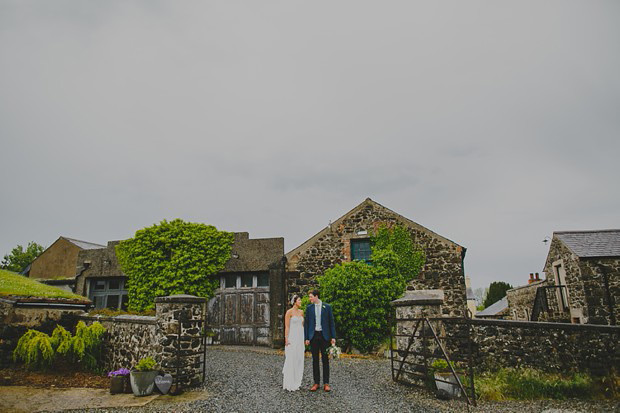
{"type": "Point", "coordinates": [360, 293]}
{"type": "Point", "coordinates": [173, 257]}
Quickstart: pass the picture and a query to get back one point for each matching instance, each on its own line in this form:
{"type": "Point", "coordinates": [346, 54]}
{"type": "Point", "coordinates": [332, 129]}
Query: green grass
{"type": "Point", "coordinates": [15, 284]}
{"type": "Point", "coordinates": [530, 384]}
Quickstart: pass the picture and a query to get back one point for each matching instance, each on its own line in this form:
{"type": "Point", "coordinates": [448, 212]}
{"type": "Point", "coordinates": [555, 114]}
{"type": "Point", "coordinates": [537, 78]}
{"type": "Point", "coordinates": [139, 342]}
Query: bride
{"type": "Point", "coordinates": [294, 348]}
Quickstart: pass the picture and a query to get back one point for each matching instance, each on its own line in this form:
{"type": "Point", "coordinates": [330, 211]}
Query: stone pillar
{"type": "Point", "coordinates": [409, 309]}
{"type": "Point", "coordinates": [182, 314]}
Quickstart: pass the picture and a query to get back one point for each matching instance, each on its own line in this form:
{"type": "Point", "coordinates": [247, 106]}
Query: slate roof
{"type": "Point", "coordinates": [254, 254]}
{"type": "Point", "coordinates": [589, 244]}
{"type": "Point", "coordinates": [85, 245]}
{"type": "Point", "coordinates": [494, 309]}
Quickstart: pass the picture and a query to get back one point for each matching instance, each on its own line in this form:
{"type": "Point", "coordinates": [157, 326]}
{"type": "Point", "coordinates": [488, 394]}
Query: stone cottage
{"type": "Point", "coordinates": [521, 299]}
{"type": "Point", "coordinates": [348, 238]}
{"type": "Point", "coordinates": [582, 278]}
{"type": "Point", "coordinates": [56, 265]}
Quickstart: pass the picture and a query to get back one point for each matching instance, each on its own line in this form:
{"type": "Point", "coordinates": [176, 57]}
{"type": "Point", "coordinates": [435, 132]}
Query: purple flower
{"type": "Point", "coordinates": [119, 372]}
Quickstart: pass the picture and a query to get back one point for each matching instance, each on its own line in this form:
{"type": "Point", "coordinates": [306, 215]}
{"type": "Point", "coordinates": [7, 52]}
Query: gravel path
{"type": "Point", "coordinates": [250, 380]}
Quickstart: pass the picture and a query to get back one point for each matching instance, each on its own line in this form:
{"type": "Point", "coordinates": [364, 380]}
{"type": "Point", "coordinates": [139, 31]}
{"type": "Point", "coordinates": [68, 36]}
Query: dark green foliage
{"type": "Point", "coordinates": [360, 294]}
{"type": "Point", "coordinates": [497, 291]}
{"type": "Point", "coordinates": [18, 259]}
{"type": "Point", "coordinates": [173, 257]}
{"type": "Point", "coordinates": [38, 350]}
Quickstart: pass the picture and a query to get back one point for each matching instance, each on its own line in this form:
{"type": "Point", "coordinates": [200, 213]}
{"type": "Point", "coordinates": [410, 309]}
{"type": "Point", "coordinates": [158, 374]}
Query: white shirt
{"type": "Point", "coordinates": [317, 314]}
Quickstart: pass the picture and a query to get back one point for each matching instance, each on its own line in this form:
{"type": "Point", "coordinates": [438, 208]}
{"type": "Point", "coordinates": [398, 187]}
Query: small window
{"type": "Point", "coordinates": [231, 281]}
{"type": "Point", "coordinates": [108, 293]}
{"type": "Point", "coordinates": [114, 284]}
{"type": "Point", "coordinates": [360, 250]}
{"type": "Point", "coordinates": [100, 285]}
{"type": "Point", "coordinates": [247, 280]}
{"type": "Point", "coordinates": [263, 280]}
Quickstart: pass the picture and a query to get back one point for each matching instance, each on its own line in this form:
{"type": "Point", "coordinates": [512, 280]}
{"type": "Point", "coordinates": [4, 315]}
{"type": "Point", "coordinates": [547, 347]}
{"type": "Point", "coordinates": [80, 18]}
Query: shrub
{"type": "Point", "coordinates": [360, 293]}
{"type": "Point", "coordinates": [35, 349]}
{"type": "Point", "coordinates": [86, 344]}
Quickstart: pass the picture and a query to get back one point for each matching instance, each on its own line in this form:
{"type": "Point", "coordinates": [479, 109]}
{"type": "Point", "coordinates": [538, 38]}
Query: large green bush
{"type": "Point", "coordinates": [360, 293]}
{"type": "Point", "coordinates": [173, 257]}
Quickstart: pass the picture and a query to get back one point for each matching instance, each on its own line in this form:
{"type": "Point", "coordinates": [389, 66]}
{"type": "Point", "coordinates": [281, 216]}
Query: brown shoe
{"type": "Point", "coordinates": [314, 388]}
{"type": "Point", "coordinates": [327, 388]}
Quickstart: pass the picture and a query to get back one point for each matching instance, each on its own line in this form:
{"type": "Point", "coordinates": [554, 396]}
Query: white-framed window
{"type": "Point", "coordinates": [241, 281]}
{"type": "Point", "coordinates": [108, 293]}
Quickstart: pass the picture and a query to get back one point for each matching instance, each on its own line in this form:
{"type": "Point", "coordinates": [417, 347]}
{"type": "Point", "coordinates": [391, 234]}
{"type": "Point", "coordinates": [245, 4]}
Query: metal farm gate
{"type": "Point", "coordinates": [423, 342]}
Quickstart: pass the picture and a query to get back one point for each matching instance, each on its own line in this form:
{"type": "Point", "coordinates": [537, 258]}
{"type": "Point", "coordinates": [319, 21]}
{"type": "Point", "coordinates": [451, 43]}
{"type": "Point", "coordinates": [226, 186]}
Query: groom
{"type": "Point", "coordinates": [318, 336]}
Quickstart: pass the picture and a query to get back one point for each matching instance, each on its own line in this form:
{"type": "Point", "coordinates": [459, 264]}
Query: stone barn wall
{"type": "Point", "coordinates": [444, 259]}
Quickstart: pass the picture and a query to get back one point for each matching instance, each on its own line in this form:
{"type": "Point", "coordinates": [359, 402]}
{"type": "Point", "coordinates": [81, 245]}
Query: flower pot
{"type": "Point", "coordinates": [117, 384]}
{"type": "Point", "coordinates": [142, 382]}
{"type": "Point", "coordinates": [448, 390]}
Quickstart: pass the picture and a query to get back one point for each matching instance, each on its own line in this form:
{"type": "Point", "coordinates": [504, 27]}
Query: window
{"type": "Point", "coordinates": [247, 281]}
{"type": "Point", "coordinates": [263, 280]}
{"type": "Point", "coordinates": [108, 293]}
{"type": "Point", "coordinates": [360, 250]}
{"type": "Point", "coordinates": [230, 281]}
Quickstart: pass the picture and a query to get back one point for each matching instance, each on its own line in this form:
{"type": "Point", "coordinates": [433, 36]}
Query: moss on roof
{"type": "Point", "coordinates": [12, 284]}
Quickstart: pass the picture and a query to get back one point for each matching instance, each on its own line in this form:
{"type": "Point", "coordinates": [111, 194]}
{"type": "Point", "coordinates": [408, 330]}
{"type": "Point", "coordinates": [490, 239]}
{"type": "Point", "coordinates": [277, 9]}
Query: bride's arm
{"type": "Point", "coordinates": [287, 322]}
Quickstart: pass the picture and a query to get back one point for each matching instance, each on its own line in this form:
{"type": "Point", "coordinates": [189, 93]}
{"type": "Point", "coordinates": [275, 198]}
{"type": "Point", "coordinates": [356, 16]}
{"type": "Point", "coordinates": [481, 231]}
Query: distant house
{"type": "Point", "coordinates": [56, 265]}
{"type": "Point", "coordinates": [521, 299]}
{"type": "Point", "coordinates": [471, 298]}
{"type": "Point", "coordinates": [348, 239]}
{"type": "Point", "coordinates": [498, 310]}
{"type": "Point", "coordinates": [582, 278]}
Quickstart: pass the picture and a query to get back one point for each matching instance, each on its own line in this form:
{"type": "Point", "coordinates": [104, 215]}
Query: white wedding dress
{"type": "Point", "coordinates": [293, 369]}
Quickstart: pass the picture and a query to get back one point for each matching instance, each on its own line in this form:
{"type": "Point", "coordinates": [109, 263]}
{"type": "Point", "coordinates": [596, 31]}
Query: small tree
{"type": "Point", "coordinates": [360, 293]}
{"type": "Point", "coordinates": [497, 291]}
{"type": "Point", "coordinates": [18, 259]}
{"type": "Point", "coordinates": [173, 257]}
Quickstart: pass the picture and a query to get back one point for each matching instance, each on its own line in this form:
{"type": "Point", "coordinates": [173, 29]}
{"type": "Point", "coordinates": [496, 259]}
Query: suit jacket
{"type": "Point", "coordinates": [327, 322]}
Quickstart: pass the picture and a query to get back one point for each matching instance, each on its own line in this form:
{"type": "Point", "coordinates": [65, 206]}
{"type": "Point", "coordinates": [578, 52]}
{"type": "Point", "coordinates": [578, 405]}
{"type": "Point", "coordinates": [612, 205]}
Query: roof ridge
{"type": "Point", "coordinates": [79, 240]}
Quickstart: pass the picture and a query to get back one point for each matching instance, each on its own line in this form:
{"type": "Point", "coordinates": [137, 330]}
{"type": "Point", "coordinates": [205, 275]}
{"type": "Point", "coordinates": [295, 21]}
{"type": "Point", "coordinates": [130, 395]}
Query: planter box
{"type": "Point", "coordinates": [142, 382]}
{"type": "Point", "coordinates": [449, 390]}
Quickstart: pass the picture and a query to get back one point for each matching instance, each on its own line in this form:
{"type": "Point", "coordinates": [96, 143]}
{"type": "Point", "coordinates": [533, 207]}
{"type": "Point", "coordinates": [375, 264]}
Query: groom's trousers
{"type": "Point", "coordinates": [318, 344]}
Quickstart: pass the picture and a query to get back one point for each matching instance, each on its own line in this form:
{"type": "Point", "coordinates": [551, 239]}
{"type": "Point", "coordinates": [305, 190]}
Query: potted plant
{"type": "Point", "coordinates": [445, 381]}
{"type": "Point", "coordinates": [210, 337]}
{"type": "Point", "coordinates": [119, 381]}
{"type": "Point", "coordinates": [143, 377]}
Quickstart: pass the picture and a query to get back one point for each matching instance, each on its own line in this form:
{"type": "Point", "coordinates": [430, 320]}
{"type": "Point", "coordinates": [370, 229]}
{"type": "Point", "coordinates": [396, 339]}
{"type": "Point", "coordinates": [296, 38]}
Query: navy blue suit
{"type": "Point", "coordinates": [320, 342]}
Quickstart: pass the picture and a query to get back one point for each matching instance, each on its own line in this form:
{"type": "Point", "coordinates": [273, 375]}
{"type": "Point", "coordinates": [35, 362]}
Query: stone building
{"type": "Point", "coordinates": [348, 238]}
{"type": "Point", "coordinates": [250, 292]}
{"type": "Point", "coordinates": [582, 278]}
{"type": "Point", "coordinates": [56, 265]}
{"type": "Point", "coordinates": [521, 299]}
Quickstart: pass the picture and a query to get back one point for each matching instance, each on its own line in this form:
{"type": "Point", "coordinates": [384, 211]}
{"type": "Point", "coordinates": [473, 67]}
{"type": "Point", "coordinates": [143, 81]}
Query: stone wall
{"type": "Point", "coordinates": [131, 338]}
{"type": "Point", "coordinates": [128, 339]}
{"type": "Point", "coordinates": [551, 347]}
{"type": "Point", "coordinates": [557, 347]}
{"type": "Point", "coordinates": [444, 259]}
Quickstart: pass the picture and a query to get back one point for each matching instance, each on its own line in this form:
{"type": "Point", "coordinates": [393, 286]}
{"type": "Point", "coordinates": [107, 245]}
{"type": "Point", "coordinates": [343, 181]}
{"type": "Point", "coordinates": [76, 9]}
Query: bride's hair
{"type": "Point", "coordinates": [294, 299]}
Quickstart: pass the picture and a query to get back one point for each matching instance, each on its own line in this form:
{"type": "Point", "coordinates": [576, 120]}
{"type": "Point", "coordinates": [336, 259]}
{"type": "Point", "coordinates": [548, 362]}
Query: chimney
{"type": "Point", "coordinates": [531, 280]}
{"type": "Point", "coordinates": [537, 277]}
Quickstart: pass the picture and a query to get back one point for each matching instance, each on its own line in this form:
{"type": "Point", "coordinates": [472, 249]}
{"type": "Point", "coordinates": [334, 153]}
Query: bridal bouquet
{"type": "Point", "coordinates": [334, 352]}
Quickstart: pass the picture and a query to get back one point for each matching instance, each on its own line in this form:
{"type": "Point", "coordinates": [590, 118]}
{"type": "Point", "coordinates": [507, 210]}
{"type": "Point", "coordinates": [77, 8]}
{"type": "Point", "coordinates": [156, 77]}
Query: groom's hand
{"type": "Point", "coordinates": [333, 341]}
{"type": "Point", "coordinates": [307, 342]}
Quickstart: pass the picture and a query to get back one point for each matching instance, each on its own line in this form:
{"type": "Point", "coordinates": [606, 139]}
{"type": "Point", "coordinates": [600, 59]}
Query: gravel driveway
{"type": "Point", "coordinates": [248, 379]}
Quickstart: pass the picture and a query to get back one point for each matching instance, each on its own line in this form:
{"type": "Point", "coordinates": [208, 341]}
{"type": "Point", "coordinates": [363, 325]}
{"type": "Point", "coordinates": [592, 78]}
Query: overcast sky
{"type": "Point", "coordinates": [492, 123]}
